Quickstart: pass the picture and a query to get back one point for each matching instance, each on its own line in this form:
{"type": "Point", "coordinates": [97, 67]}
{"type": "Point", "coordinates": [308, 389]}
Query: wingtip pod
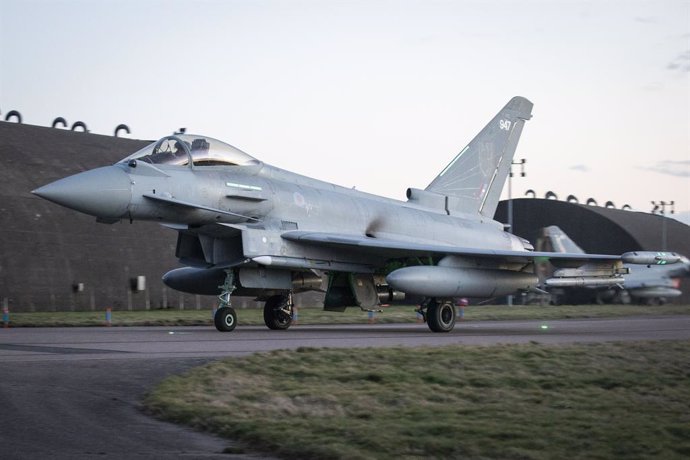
{"type": "Point", "coordinates": [650, 258]}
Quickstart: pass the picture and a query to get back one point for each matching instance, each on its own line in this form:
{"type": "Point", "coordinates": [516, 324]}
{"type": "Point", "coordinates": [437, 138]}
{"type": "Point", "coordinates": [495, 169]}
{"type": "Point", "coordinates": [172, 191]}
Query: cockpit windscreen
{"type": "Point", "coordinates": [202, 151]}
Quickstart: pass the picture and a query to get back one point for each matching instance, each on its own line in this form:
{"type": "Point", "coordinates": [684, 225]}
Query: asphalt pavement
{"type": "Point", "coordinates": [76, 392]}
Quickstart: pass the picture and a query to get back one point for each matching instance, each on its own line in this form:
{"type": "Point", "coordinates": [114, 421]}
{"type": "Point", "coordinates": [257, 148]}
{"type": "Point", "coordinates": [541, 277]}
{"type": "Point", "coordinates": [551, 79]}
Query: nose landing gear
{"type": "Point", "coordinates": [225, 318]}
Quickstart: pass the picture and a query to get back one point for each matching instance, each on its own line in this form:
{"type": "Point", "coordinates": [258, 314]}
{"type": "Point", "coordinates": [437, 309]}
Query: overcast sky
{"type": "Point", "coordinates": [379, 95]}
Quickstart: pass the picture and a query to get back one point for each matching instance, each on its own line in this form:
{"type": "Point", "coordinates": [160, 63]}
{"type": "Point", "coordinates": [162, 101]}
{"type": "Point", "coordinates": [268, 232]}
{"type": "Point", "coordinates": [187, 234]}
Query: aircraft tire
{"type": "Point", "coordinates": [441, 316]}
{"type": "Point", "coordinates": [274, 317]}
{"type": "Point", "coordinates": [225, 319]}
{"type": "Point", "coordinates": [623, 297]}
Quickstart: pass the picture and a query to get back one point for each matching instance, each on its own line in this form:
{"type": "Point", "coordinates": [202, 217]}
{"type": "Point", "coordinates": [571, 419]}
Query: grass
{"type": "Point", "coordinates": [394, 314]}
{"type": "Point", "coordinates": [616, 400]}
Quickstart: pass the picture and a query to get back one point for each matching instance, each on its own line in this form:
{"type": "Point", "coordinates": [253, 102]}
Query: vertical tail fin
{"type": "Point", "coordinates": [553, 239]}
{"type": "Point", "coordinates": [474, 180]}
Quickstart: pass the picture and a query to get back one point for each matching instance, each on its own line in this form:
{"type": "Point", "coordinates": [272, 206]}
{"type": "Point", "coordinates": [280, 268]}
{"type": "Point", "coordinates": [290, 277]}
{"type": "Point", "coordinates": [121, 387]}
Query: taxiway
{"type": "Point", "coordinates": [76, 392]}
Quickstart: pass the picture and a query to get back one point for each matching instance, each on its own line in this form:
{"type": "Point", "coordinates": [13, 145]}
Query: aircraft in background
{"type": "Point", "coordinates": [650, 284]}
{"type": "Point", "coordinates": [248, 228]}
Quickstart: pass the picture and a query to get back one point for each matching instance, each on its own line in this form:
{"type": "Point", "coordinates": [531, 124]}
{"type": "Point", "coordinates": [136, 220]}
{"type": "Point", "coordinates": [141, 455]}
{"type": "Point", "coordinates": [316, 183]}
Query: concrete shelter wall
{"type": "Point", "coordinates": [45, 249]}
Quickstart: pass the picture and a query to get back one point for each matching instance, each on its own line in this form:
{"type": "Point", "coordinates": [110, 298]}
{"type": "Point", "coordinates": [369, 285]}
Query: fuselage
{"type": "Point", "coordinates": [269, 201]}
{"type": "Point", "coordinates": [274, 200]}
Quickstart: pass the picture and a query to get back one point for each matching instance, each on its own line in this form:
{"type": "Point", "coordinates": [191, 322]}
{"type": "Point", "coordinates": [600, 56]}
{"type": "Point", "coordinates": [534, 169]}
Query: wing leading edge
{"type": "Point", "coordinates": [392, 248]}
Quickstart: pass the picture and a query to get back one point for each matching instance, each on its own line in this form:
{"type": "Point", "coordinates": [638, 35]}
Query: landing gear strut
{"type": "Point", "coordinates": [278, 312]}
{"type": "Point", "coordinates": [225, 318]}
{"type": "Point", "coordinates": [439, 314]}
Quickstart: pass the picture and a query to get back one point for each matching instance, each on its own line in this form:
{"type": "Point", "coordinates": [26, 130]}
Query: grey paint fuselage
{"type": "Point", "coordinates": [278, 201]}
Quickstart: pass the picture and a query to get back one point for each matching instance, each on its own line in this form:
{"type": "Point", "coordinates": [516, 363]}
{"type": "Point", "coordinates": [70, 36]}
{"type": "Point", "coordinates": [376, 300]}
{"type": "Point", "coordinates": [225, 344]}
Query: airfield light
{"type": "Point", "coordinates": [660, 208]}
{"type": "Point", "coordinates": [521, 162]}
{"type": "Point", "coordinates": [544, 327]}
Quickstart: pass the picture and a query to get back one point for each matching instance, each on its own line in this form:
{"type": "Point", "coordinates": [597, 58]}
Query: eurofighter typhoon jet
{"type": "Point", "coordinates": [650, 284]}
{"type": "Point", "coordinates": [247, 228]}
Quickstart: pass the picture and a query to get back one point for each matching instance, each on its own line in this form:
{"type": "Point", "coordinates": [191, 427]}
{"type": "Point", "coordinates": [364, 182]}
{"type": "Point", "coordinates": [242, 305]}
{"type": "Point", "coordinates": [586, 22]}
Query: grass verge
{"type": "Point", "coordinates": [617, 400]}
{"type": "Point", "coordinates": [394, 314]}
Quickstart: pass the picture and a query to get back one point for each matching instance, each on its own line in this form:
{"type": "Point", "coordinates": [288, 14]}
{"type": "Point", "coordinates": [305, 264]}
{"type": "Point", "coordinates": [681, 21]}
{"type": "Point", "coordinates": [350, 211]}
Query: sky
{"type": "Point", "coordinates": [377, 95]}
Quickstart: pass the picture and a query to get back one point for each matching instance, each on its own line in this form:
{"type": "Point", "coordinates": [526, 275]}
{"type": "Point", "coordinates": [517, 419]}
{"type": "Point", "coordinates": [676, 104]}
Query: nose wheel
{"type": "Point", "coordinates": [225, 318]}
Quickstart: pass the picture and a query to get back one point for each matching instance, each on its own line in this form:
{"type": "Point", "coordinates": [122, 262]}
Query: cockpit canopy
{"type": "Point", "coordinates": [180, 150]}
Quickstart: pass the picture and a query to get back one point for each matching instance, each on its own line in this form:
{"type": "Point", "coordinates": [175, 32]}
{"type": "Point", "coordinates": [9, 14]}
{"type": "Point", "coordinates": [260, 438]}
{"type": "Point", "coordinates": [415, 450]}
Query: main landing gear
{"type": "Point", "coordinates": [439, 314]}
{"type": "Point", "coordinates": [277, 310]}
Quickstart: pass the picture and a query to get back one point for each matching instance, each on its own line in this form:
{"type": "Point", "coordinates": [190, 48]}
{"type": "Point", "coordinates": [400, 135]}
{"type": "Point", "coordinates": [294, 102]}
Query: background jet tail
{"type": "Point", "coordinates": [553, 239]}
{"type": "Point", "coordinates": [474, 180]}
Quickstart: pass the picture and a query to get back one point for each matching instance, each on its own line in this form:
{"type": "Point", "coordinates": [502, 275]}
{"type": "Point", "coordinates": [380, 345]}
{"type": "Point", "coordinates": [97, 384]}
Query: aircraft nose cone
{"type": "Point", "coordinates": [103, 192]}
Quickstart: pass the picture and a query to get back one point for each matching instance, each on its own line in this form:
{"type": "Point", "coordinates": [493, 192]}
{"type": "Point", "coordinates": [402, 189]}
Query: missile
{"type": "Point", "coordinates": [444, 282]}
{"type": "Point", "coordinates": [584, 281]}
{"type": "Point", "coordinates": [650, 258]}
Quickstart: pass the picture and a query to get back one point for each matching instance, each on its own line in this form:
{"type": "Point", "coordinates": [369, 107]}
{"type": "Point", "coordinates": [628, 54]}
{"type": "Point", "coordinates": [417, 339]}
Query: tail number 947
{"type": "Point", "coordinates": [504, 124]}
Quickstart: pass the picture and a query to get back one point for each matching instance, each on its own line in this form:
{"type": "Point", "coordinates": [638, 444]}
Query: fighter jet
{"type": "Point", "coordinates": [648, 284]}
{"type": "Point", "coordinates": [248, 228]}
